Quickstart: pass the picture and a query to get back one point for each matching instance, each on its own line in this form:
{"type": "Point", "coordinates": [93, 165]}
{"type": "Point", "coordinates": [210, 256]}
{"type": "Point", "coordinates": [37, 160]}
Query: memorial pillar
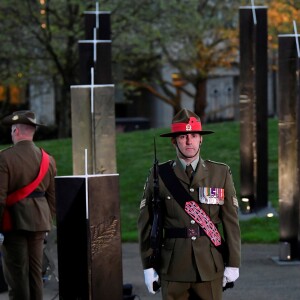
{"type": "Point", "coordinates": [253, 108]}
{"type": "Point", "coordinates": [92, 102]}
{"type": "Point", "coordinates": [93, 128]}
{"type": "Point", "coordinates": [88, 212]}
{"type": "Point", "coordinates": [288, 157]}
{"type": "Point", "coordinates": [88, 237]}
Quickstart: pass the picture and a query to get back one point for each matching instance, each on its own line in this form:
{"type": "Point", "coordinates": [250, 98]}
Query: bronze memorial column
{"type": "Point", "coordinates": [253, 108]}
{"type": "Point", "coordinates": [88, 210]}
{"type": "Point", "coordinates": [288, 160]}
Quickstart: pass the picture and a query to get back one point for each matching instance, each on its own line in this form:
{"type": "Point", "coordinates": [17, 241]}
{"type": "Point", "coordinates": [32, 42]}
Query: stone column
{"type": "Point", "coordinates": [93, 129]}
{"type": "Point", "coordinates": [253, 108]}
{"type": "Point", "coordinates": [288, 160]}
{"type": "Point", "coordinates": [88, 213]}
{"type": "Point", "coordinates": [93, 105]}
{"type": "Point", "coordinates": [88, 237]}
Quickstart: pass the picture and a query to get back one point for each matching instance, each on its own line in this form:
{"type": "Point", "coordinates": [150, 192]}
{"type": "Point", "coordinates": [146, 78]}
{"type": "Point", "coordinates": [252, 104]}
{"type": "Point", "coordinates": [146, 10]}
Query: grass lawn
{"type": "Point", "coordinates": [135, 157]}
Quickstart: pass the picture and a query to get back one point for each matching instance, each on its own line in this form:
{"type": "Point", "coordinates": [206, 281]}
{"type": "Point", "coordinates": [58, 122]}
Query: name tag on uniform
{"type": "Point", "coordinates": [211, 195]}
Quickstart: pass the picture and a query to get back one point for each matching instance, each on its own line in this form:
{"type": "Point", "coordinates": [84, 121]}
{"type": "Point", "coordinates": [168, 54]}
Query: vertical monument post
{"type": "Point", "coordinates": [88, 212]}
{"type": "Point", "coordinates": [295, 253]}
{"type": "Point", "coordinates": [253, 108]}
{"type": "Point", "coordinates": [289, 134]}
{"type": "Point", "coordinates": [93, 105]}
{"type": "Point", "coordinates": [88, 237]}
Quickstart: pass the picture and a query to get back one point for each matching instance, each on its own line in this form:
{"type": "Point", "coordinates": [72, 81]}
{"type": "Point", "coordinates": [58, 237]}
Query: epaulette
{"type": "Point", "coordinates": [160, 164]}
{"type": "Point", "coordinates": [3, 150]}
{"type": "Point", "coordinates": [166, 162]}
{"type": "Point", "coordinates": [46, 151]}
{"type": "Point", "coordinates": [216, 162]}
{"type": "Point", "coordinates": [219, 163]}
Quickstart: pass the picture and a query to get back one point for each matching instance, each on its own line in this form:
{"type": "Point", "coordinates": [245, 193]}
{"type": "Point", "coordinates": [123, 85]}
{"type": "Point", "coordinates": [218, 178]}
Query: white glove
{"type": "Point", "coordinates": [230, 275]}
{"type": "Point", "coordinates": [150, 277]}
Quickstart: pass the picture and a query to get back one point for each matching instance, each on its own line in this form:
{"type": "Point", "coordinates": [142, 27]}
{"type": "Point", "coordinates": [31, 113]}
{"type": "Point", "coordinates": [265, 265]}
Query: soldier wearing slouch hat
{"type": "Point", "coordinates": [195, 205]}
{"type": "Point", "coordinates": [27, 206]}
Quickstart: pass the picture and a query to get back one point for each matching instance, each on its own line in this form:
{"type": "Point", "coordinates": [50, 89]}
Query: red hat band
{"type": "Point", "coordinates": [192, 125]}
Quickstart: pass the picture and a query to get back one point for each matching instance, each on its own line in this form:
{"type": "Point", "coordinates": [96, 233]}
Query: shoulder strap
{"type": "Point", "coordinates": [182, 197]}
{"type": "Point", "coordinates": [28, 189]}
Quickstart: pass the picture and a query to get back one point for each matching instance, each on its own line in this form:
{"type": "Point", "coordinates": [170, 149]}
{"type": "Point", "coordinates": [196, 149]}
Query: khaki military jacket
{"type": "Point", "coordinates": [19, 166]}
{"type": "Point", "coordinates": [184, 259]}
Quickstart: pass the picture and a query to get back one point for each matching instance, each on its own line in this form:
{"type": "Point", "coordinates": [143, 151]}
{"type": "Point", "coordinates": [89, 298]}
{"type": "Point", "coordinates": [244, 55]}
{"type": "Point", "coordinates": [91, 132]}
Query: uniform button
{"type": "Point", "coordinates": [193, 238]}
{"type": "Point", "coordinates": [193, 222]}
{"type": "Point", "coordinates": [192, 190]}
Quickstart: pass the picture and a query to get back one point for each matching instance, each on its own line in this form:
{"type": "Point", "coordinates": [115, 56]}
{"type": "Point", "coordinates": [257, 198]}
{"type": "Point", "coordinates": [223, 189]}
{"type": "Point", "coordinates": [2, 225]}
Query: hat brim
{"type": "Point", "coordinates": [174, 134]}
{"type": "Point", "coordinates": [8, 120]}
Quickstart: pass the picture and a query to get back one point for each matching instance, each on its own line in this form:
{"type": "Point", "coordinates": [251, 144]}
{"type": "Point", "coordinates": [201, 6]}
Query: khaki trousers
{"type": "Point", "coordinates": [22, 254]}
{"type": "Point", "coordinates": [208, 290]}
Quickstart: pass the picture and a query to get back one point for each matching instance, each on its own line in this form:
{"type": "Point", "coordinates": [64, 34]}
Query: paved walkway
{"type": "Point", "coordinates": [261, 277]}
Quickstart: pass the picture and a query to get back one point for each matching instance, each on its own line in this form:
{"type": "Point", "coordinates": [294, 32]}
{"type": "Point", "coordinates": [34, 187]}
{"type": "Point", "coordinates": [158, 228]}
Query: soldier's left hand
{"type": "Point", "coordinates": [230, 275]}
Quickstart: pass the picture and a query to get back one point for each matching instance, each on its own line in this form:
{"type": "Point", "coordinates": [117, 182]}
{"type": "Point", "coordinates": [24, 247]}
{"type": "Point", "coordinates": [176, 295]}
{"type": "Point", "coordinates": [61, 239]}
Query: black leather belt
{"type": "Point", "coordinates": [36, 195]}
{"type": "Point", "coordinates": [173, 233]}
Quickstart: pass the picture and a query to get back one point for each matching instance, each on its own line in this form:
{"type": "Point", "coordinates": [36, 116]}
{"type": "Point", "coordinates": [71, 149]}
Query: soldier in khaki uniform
{"type": "Point", "coordinates": [191, 266]}
{"type": "Point", "coordinates": [31, 217]}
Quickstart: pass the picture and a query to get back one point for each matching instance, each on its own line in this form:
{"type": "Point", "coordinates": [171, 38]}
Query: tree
{"type": "Point", "coordinates": [281, 14]}
{"type": "Point", "coordinates": [195, 37]}
{"type": "Point", "coordinates": [39, 39]}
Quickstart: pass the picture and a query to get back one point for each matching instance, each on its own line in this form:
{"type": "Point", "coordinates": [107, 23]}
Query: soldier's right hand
{"type": "Point", "coordinates": [152, 280]}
